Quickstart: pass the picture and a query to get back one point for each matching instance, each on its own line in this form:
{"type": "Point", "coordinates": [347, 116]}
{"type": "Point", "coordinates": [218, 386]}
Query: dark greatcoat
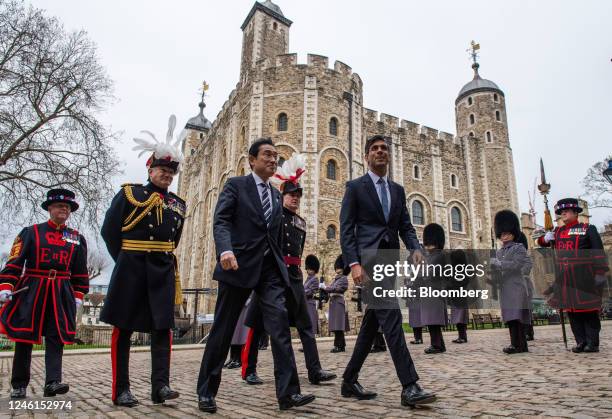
{"type": "Point", "coordinates": [433, 309]}
{"type": "Point", "coordinates": [141, 290]}
{"type": "Point", "coordinates": [337, 305]}
{"type": "Point", "coordinates": [310, 289]}
{"type": "Point", "coordinates": [513, 297]}
{"type": "Point", "coordinates": [41, 248]}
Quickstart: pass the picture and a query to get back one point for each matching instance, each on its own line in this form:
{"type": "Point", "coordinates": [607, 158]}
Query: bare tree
{"type": "Point", "coordinates": [51, 88]}
{"type": "Point", "coordinates": [96, 262]}
{"type": "Point", "coordinates": [598, 189]}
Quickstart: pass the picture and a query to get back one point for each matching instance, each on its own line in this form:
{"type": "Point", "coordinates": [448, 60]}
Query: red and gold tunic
{"type": "Point", "coordinates": [51, 261]}
{"type": "Point", "coordinates": [579, 258]}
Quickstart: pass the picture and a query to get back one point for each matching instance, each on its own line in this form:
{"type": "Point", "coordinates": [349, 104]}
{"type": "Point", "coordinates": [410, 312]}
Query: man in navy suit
{"type": "Point", "coordinates": [374, 217]}
{"type": "Point", "coordinates": [247, 232]}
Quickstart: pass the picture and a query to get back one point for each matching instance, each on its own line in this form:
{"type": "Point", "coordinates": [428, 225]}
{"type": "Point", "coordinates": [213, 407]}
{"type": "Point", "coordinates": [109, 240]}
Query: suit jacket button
{"type": "Point", "coordinates": [146, 192]}
{"type": "Point", "coordinates": [151, 237]}
{"type": "Point", "coordinates": [150, 225]}
{"type": "Point", "coordinates": [149, 214]}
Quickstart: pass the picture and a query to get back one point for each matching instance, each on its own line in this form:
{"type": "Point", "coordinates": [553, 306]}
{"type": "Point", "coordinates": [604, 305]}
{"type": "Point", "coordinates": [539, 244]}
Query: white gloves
{"type": "Point", "coordinates": [549, 236]}
{"type": "Point", "coordinates": [321, 285]}
{"type": "Point", "coordinates": [5, 296]}
{"type": "Point", "coordinates": [78, 302]}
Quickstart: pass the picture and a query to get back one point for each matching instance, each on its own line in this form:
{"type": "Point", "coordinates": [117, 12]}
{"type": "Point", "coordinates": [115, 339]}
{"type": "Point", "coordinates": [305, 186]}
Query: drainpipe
{"type": "Point", "coordinates": [349, 98]}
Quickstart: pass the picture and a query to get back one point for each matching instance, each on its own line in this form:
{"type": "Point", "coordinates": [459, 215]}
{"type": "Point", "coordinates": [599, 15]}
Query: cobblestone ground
{"type": "Point", "coordinates": [472, 380]}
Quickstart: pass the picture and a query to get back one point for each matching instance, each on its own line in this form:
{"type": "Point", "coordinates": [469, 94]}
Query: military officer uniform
{"type": "Point", "coordinates": [580, 276]}
{"type": "Point", "coordinates": [141, 229]}
{"type": "Point", "coordinates": [47, 271]}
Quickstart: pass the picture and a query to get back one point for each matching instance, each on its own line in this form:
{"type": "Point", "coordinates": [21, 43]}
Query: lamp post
{"type": "Point", "coordinates": [608, 172]}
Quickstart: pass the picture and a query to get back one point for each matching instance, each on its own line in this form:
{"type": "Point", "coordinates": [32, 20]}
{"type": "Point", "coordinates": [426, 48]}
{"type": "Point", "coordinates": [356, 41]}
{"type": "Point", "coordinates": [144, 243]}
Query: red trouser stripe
{"type": "Point", "coordinates": [114, 341]}
{"type": "Point", "coordinates": [245, 352]}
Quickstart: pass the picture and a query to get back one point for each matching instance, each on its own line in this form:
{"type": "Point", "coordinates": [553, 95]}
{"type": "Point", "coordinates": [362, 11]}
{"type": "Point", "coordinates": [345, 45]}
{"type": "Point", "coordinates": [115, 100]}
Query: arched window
{"type": "Point", "coordinates": [333, 126]}
{"type": "Point", "coordinates": [456, 221]}
{"type": "Point", "coordinates": [497, 116]}
{"type": "Point", "coordinates": [281, 161]}
{"type": "Point", "coordinates": [274, 26]}
{"type": "Point", "coordinates": [417, 172]}
{"type": "Point", "coordinates": [470, 101]}
{"type": "Point", "coordinates": [495, 97]}
{"type": "Point", "coordinates": [471, 133]}
{"type": "Point", "coordinates": [418, 216]}
{"type": "Point", "coordinates": [489, 137]}
{"type": "Point", "coordinates": [331, 232]}
{"type": "Point", "coordinates": [453, 180]}
{"type": "Point", "coordinates": [331, 169]}
{"type": "Point", "coordinates": [472, 119]}
{"type": "Point", "coordinates": [281, 123]}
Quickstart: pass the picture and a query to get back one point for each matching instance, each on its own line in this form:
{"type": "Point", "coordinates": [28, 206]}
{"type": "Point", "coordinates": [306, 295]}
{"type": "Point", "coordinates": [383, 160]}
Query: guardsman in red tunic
{"type": "Point", "coordinates": [41, 286]}
{"type": "Point", "coordinates": [580, 274]}
{"type": "Point", "coordinates": [141, 229]}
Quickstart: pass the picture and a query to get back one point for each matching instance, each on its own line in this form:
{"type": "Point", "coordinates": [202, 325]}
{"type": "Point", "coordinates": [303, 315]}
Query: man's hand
{"type": "Point", "coordinates": [5, 296]}
{"type": "Point", "coordinates": [228, 261]}
{"type": "Point", "coordinates": [417, 256]}
{"type": "Point", "coordinates": [322, 285]}
{"type": "Point", "coordinates": [79, 303]}
{"type": "Point", "coordinates": [357, 274]}
{"type": "Point", "coordinates": [549, 236]}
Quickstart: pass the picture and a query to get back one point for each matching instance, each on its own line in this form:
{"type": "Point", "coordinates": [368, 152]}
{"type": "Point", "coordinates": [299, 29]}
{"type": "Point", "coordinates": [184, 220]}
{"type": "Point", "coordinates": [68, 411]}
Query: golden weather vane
{"type": "Point", "coordinates": [473, 50]}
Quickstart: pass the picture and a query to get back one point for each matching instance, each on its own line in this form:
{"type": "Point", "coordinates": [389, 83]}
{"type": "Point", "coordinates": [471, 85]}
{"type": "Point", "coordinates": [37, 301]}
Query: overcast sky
{"type": "Point", "coordinates": [551, 58]}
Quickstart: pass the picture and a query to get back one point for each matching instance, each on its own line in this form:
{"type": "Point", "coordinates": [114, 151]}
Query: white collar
{"type": "Point", "coordinates": [259, 180]}
{"type": "Point", "coordinates": [375, 177]}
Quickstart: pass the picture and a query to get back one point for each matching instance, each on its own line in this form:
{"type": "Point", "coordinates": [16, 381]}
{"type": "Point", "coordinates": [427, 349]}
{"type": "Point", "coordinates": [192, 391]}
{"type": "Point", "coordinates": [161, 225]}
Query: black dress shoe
{"type": "Point", "coordinates": [591, 348]}
{"type": "Point", "coordinates": [511, 350]}
{"type": "Point", "coordinates": [413, 395]}
{"type": "Point", "coordinates": [578, 348]}
{"type": "Point", "coordinates": [459, 340]}
{"type": "Point", "coordinates": [163, 394]}
{"type": "Point", "coordinates": [321, 376]}
{"type": "Point", "coordinates": [434, 350]}
{"type": "Point", "coordinates": [376, 349]}
{"type": "Point", "coordinates": [207, 404]}
{"type": "Point", "coordinates": [253, 379]}
{"type": "Point", "coordinates": [234, 364]}
{"type": "Point", "coordinates": [529, 338]}
{"type": "Point", "coordinates": [417, 342]}
{"type": "Point", "coordinates": [126, 399]}
{"type": "Point", "coordinates": [355, 390]}
{"type": "Point", "coordinates": [337, 349]}
{"type": "Point", "coordinates": [18, 393]}
{"type": "Point", "coordinates": [54, 388]}
{"type": "Point", "coordinates": [295, 400]}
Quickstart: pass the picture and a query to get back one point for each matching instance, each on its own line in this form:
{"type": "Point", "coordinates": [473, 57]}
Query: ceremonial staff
{"type": "Point", "coordinates": [544, 189]}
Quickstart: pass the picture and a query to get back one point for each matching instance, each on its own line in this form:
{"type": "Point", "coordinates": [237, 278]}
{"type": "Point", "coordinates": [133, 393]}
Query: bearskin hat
{"type": "Point", "coordinates": [506, 221]}
{"type": "Point", "coordinates": [522, 239]}
{"type": "Point", "coordinates": [312, 262]}
{"type": "Point", "coordinates": [339, 264]}
{"type": "Point", "coordinates": [433, 235]}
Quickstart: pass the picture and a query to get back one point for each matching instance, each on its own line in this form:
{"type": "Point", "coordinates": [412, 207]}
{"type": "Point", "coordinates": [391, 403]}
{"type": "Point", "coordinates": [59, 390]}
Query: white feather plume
{"type": "Point", "coordinates": [160, 149]}
{"type": "Point", "coordinates": [290, 168]}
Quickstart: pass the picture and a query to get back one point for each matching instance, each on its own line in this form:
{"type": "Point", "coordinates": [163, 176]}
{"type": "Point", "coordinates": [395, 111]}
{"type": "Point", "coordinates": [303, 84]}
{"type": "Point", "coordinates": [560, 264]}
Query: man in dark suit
{"type": "Point", "coordinates": [248, 234]}
{"type": "Point", "coordinates": [374, 217]}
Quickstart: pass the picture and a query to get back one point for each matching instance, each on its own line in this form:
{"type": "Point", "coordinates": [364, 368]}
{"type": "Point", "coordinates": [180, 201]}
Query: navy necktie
{"type": "Point", "coordinates": [266, 202]}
